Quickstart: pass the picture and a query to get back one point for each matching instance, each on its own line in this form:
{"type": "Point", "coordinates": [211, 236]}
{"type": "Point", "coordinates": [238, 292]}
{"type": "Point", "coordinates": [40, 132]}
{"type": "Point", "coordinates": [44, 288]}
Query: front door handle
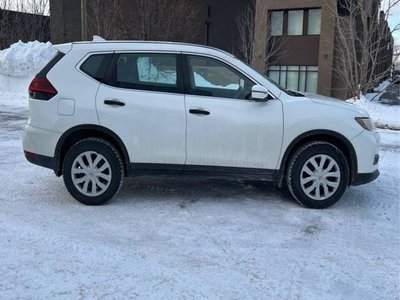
{"type": "Point", "coordinates": [114, 102]}
{"type": "Point", "coordinates": [199, 111]}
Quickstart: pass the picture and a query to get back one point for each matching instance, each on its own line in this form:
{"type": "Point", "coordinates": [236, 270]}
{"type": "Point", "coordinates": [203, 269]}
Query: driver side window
{"type": "Point", "coordinates": [210, 77]}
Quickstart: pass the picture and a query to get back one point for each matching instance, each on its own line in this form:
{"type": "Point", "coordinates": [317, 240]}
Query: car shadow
{"type": "Point", "coordinates": [186, 191]}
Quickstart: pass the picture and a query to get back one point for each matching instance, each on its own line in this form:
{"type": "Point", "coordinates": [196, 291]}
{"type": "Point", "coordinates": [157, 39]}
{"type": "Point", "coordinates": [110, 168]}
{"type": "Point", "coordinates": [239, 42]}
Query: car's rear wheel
{"type": "Point", "coordinates": [318, 174]}
{"type": "Point", "coordinates": [93, 171]}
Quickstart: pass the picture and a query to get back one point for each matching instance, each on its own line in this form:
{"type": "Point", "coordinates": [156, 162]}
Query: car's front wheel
{"type": "Point", "coordinates": [318, 174]}
{"type": "Point", "coordinates": [93, 171]}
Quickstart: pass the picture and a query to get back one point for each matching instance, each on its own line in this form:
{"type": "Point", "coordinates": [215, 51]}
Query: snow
{"type": "Point", "coordinates": [169, 238]}
{"type": "Point", "coordinates": [384, 115]}
{"type": "Point", "coordinates": [24, 59]}
{"type": "Point", "coordinates": [174, 238]}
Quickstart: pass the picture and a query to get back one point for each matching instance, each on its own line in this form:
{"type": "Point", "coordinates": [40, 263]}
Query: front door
{"type": "Point", "coordinates": [142, 102]}
{"type": "Point", "coordinates": [225, 127]}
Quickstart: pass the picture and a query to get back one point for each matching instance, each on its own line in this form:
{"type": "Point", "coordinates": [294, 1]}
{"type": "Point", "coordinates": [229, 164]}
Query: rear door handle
{"type": "Point", "coordinates": [114, 102]}
{"type": "Point", "coordinates": [199, 111]}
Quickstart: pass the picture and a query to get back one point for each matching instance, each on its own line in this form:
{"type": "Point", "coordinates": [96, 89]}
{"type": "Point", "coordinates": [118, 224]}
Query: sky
{"type": "Point", "coordinates": [394, 20]}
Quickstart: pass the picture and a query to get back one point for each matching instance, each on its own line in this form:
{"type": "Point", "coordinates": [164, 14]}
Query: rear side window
{"type": "Point", "coordinates": [153, 72]}
{"type": "Point", "coordinates": [96, 65]}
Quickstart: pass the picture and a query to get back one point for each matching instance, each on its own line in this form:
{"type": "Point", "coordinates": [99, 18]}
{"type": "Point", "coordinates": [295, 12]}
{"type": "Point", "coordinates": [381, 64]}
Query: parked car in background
{"type": "Point", "coordinates": [100, 111]}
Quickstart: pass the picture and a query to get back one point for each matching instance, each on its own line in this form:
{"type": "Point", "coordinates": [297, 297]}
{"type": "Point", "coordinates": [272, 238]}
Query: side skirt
{"type": "Point", "coordinates": [144, 169]}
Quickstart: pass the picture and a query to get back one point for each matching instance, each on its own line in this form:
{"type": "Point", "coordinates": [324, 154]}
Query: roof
{"type": "Point", "coordinates": [142, 45]}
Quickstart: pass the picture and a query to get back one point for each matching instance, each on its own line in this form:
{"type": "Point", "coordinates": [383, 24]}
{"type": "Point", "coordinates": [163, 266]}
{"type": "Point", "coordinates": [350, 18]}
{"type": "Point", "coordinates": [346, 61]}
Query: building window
{"type": "Point", "coordinates": [277, 23]}
{"type": "Point", "coordinates": [295, 22]}
{"type": "Point", "coordinates": [314, 21]}
{"type": "Point", "coordinates": [297, 78]}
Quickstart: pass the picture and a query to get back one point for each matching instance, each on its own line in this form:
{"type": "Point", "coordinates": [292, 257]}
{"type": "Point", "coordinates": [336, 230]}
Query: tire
{"type": "Point", "coordinates": [93, 171]}
{"type": "Point", "coordinates": [307, 174]}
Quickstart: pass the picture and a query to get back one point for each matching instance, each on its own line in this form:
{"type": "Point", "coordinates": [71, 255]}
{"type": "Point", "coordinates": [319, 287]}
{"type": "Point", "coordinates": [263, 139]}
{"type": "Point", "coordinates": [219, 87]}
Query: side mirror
{"type": "Point", "coordinates": [259, 93]}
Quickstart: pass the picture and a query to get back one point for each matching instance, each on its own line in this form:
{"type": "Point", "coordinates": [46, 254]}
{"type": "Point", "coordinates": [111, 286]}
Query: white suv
{"type": "Point", "coordinates": [100, 111]}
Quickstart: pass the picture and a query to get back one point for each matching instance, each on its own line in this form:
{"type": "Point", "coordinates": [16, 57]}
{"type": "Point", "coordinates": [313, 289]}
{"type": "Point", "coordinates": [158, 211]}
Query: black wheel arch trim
{"type": "Point", "coordinates": [103, 130]}
{"type": "Point", "coordinates": [304, 138]}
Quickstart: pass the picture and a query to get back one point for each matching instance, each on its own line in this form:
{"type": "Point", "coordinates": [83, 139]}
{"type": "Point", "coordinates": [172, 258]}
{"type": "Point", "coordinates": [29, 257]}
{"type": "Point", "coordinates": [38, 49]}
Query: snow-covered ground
{"type": "Point", "coordinates": [183, 238]}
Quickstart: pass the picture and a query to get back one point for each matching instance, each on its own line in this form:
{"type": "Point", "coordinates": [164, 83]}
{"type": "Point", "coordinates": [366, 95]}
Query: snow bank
{"type": "Point", "coordinates": [385, 116]}
{"type": "Point", "coordinates": [25, 59]}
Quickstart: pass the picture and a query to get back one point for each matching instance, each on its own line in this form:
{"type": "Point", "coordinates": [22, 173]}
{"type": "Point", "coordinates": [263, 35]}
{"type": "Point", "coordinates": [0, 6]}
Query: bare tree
{"type": "Point", "coordinates": [363, 43]}
{"type": "Point", "coordinates": [250, 43]}
{"type": "Point", "coordinates": [103, 17]}
{"type": "Point", "coordinates": [144, 19]}
{"type": "Point", "coordinates": [37, 7]}
{"type": "Point", "coordinates": [171, 20]}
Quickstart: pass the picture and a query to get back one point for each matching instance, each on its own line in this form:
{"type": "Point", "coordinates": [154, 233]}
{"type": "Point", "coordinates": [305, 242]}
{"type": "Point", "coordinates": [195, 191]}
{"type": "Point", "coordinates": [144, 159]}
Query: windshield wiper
{"type": "Point", "coordinates": [294, 94]}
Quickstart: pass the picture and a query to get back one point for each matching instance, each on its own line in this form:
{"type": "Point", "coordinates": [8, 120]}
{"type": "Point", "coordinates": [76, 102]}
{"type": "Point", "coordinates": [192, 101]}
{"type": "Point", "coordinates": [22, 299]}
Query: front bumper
{"type": "Point", "coordinates": [366, 146]}
{"type": "Point", "coordinates": [363, 178]}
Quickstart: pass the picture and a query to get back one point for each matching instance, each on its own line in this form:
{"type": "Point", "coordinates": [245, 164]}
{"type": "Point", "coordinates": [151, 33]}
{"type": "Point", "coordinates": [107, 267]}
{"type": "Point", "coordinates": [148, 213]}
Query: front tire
{"type": "Point", "coordinates": [93, 171]}
{"type": "Point", "coordinates": [318, 174]}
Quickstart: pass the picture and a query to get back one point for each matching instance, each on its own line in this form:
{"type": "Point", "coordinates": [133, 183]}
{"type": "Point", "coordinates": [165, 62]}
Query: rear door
{"type": "Point", "coordinates": [141, 100]}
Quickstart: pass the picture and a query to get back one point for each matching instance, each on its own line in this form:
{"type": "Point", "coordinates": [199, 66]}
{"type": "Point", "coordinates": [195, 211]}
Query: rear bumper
{"type": "Point", "coordinates": [363, 178]}
{"type": "Point", "coordinates": [41, 160]}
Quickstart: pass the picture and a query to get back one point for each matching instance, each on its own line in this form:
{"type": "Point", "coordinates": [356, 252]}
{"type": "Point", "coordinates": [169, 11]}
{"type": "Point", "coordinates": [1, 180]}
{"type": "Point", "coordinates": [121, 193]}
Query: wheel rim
{"type": "Point", "coordinates": [91, 173]}
{"type": "Point", "coordinates": [320, 177]}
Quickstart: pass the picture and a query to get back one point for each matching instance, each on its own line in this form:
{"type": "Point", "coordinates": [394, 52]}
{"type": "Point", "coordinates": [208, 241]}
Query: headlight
{"type": "Point", "coordinates": [366, 123]}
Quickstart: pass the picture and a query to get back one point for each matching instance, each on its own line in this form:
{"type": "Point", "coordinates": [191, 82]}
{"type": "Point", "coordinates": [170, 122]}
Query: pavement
{"type": "Point", "coordinates": [174, 238]}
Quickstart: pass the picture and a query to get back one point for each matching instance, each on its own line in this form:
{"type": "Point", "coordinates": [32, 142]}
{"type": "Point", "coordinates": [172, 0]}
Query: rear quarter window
{"type": "Point", "coordinates": [96, 66]}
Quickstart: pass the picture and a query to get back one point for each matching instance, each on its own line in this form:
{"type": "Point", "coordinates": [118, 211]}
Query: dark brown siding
{"type": "Point", "coordinates": [298, 50]}
{"type": "Point", "coordinates": [65, 21]}
{"type": "Point", "coordinates": [223, 29]}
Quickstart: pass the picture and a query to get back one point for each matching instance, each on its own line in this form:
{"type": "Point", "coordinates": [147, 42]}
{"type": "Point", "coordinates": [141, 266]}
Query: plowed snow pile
{"type": "Point", "coordinates": [24, 59]}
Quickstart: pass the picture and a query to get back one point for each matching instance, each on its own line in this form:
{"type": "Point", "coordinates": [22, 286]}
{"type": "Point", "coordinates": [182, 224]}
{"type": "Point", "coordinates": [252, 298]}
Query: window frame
{"type": "Point", "coordinates": [111, 80]}
{"type": "Point", "coordinates": [188, 77]}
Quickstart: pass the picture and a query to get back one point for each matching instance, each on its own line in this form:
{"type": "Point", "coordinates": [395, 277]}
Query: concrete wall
{"type": "Point", "coordinates": [15, 26]}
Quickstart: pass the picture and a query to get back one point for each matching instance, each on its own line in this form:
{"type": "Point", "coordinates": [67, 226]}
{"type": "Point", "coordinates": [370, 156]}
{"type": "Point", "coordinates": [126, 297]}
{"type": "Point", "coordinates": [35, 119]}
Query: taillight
{"type": "Point", "coordinates": [41, 89]}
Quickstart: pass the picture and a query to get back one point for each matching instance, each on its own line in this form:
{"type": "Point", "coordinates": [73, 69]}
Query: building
{"type": "Point", "coordinates": [214, 21]}
{"type": "Point", "coordinates": [295, 40]}
{"type": "Point", "coordinates": [307, 36]}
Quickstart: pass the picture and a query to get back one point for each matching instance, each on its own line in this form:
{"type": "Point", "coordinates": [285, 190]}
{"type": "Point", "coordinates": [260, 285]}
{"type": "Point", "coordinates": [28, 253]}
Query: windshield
{"type": "Point", "coordinates": [265, 76]}
{"type": "Point", "coordinates": [289, 92]}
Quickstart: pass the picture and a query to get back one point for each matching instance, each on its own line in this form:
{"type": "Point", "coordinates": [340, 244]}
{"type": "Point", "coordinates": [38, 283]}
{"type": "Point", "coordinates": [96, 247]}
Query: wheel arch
{"type": "Point", "coordinates": [329, 136]}
{"type": "Point", "coordinates": [77, 133]}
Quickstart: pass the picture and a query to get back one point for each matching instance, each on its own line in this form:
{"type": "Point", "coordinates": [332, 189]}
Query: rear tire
{"type": "Point", "coordinates": [93, 171]}
{"type": "Point", "coordinates": [317, 174]}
